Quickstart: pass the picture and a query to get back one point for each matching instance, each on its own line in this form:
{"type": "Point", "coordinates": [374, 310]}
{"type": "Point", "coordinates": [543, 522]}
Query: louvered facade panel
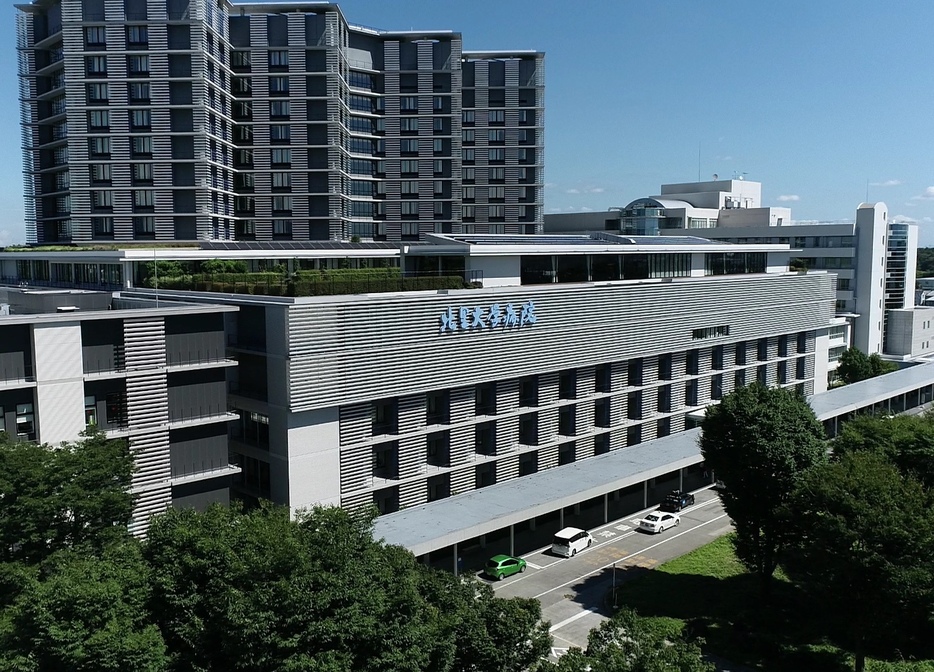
{"type": "Point", "coordinates": [412, 493]}
{"type": "Point", "coordinates": [507, 468]}
{"type": "Point", "coordinates": [356, 466]}
{"type": "Point", "coordinates": [548, 457]}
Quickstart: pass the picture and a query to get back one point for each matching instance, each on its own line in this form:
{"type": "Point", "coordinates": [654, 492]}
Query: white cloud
{"type": "Point", "coordinates": [550, 185]}
{"type": "Point", "coordinates": [886, 183]}
{"type": "Point", "coordinates": [723, 158]}
{"type": "Point", "coordinates": [926, 195]}
{"type": "Point", "coordinates": [789, 197]}
{"type": "Point", "coordinates": [904, 219]}
{"type": "Point", "coordinates": [596, 190]}
{"type": "Point", "coordinates": [573, 191]}
{"type": "Point", "coordinates": [554, 209]}
{"type": "Point", "coordinates": [584, 208]}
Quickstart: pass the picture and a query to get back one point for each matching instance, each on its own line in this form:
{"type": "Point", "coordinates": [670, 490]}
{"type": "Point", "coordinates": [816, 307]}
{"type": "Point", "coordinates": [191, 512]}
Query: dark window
{"type": "Point", "coordinates": [664, 367]}
{"type": "Point", "coordinates": [690, 393]}
{"type": "Point", "coordinates": [601, 414]}
{"type": "Point", "coordinates": [528, 429]}
{"type": "Point", "coordinates": [485, 439]}
{"type": "Point", "coordinates": [762, 350]}
{"type": "Point", "coordinates": [528, 392]}
{"type": "Point", "coordinates": [634, 435]}
{"type": "Point", "coordinates": [716, 386]}
{"type": "Point", "coordinates": [693, 362]}
{"type": "Point", "coordinates": [634, 406]}
{"type": "Point", "coordinates": [567, 385]}
{"type": "Point", "coordinates": [602, 378]}
{"type": "Point", "coordinates": [385, 417]}
{"type": "Point", "coordinates": [664, 399]}
{"type": "Point", "coordinates": [438, 408]}
{"type": "Point", "coordinates": [437, 450]}
{"type": "Point", "coordinates": [802, 342]}
{"type": "Point", "coordinates": [716, 357]}
{"type": "Point", "coordinates": [741, 352]}
{"type": "Point", "coordinates": [783, 346]}
{"type": "Point", "coordinates": [800, 373]}
{"type": "Point", "coordinates": [485, 399]}
{"type": "Point", "coordinates": [663, 427]}
{"type": "Point", "coordinates": [601, 444]}
{"type": "Point", "coordinates": [739, 379]}
{"type": "Point", "coordinates": [567, 453]}
{"type": "Point", "coordinates": [635, 371]}
{"type": "Point", "coordinates": [762, 374]}
{"type": "Point", "coordinates": [567, 421]}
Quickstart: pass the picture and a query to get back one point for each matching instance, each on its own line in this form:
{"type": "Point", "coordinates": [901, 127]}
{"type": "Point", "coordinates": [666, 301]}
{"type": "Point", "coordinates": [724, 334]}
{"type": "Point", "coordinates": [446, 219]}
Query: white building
{"type": "Point", "coordinates": [874, 259]}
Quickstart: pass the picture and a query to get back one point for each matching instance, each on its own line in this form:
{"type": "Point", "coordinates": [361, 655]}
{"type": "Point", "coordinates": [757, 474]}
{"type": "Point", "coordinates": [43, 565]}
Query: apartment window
{"type": "Point", "coordinates": [140, 119]}
{"type": "Point", "coordinates": [409, 188]}
{"type": "Point", "coordinates": [279, 109]}
{"type": "Point", "coordinates": [95, 66]}
{"type": "Point", "coordinates": [408, 103]}
{"type": "Point", "coordinates": [497, 135]}
{"type": "Point", "coordinates": [497, 117]}
{"type": "Point", "coordinates": [468, 212]}
{"type": "Point", "coordinates": [497, 213]}
{"type": "Point", "coordinates": [100, 173]}
{"type": "Point", "coordinates": [526, 117]}
{"type": "Point", "coordinates": [102, 200]}
{"type": "Point", "coordinates": [99, 146]}
{"type": "Point", "coordinates": [410, 230]}
{"type": "Point", "coordinates": [139, 92]}
{"type": "Point", "coordinates": [240, 59]}
{"type": "Point", "coordinates": [137, 65]}
{"type": "Point", "coordinates": [142, 173]}
{"type": "Point", "coordinates": [469, 174]}
{"type": "Point", "coordinates": [99, 120]}
{"type": "Point", "coordinates": [410, 209]}
{"type": "Point", "coordinates": [281, 157]}
{"type": "Point", "coordinates": [281, 180]}
{"type": "Point", "coordinates": [496, 154]}
{"type": "Point", "coordinates": [438, 103]}
{"type": "Point", "coordinates": [280, 133]}
{"type": "Point", "coordinates": [467, 136]}
{"type": "Point", "coordinates": [141, 145]}
{"type": "Point", "coordinates": [98, 92]}
{"type": "Point", "coordinates": [438, 146]}
{"type": "Point", "coordinates": [469, 156]}
{"type": "Point", "coordinates": [137, 36]}
{"type": "Point", "coordinates": [103, 226]}
{"type": "Point", "coordinates": [469, 193]}
{"type": "Point", "coordinates": [408, 146]}
{"type": "Point", "coordinates": [95, 35]}
{"type": "Point", "coordinates": [144, 199]}
{"type": "Point", "coordinates": [497, 174]}
{"type": "Point", "coordinates": [278, 86]}
{"type": "Point", "coordinates": [409, 167]}
{"type": "Point", "coordinates": [144, 226]}
{"type": "Point", "coordinates": [282, 204]}
{"type": "Point", "coordinates": [279, 58]}
{"type": "Point", "coordinates": [408, 125]}
{"type": "Point", "coordinates": [438, 166]}
{"type": "Point", "coordinates": [497, 228]}
{"type": "Point", "coordinates": [282, 228]}
{"type": "Point", "coordinates": [468, 117]}
{"type": "Point", "coordinates": [497, 193]}
{"type": "Point", "coordinates": [437, 124]}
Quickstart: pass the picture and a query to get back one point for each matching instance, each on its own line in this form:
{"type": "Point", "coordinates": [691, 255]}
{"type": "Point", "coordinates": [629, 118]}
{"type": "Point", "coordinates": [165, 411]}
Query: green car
{"type": "Point", "coordinates": [501, 566]}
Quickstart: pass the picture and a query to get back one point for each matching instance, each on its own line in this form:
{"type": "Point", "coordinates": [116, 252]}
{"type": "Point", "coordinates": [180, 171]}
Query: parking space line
{"type": "Point", "coordinates": [573, 618]}
{"type": "Point", "coordinates": [532, 565]}
{"type": "Point", "coordinates": [630, 556]}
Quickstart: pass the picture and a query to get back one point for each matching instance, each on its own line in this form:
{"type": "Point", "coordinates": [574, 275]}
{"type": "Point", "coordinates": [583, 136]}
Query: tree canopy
{"type": "Point", "coordinates": [907, 441]}
{"type": "Point", "coordinates": [627, 643]}
{"type": "Point", "coordinates": [759, 441]}
{"type": "Point", "coordinates": [864, 549]}
{"type": "Point", "coordinates": [855, 366]}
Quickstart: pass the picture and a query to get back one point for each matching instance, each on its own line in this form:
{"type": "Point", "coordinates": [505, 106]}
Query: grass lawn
{"type": "Point", "coordinates": [710, 592]}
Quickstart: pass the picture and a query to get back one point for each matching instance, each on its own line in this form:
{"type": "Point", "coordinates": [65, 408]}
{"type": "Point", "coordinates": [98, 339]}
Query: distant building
{"type": "Point", "coordinates": [874, 259]}
{"type": "Point", "coordinates": [152, 374]}
{"type": "Point", "coordinates": [162, 120]}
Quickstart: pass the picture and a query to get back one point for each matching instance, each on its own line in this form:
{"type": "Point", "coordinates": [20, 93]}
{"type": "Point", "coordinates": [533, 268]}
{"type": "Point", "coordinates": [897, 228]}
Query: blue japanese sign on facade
{"type": "Point", "coordinates": [495, 316]}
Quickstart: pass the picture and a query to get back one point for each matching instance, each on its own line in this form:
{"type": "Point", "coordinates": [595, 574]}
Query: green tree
{"type": "Point", "coordinates": [54, 498]}
{"type": "Point", "coordinates": [85, 613]}
{"type": "Point", "coordinates": [223, 266]}
{"type": "Point", "coordinates": [856, 366]}
{"type": "Point", "coordinates": [907, 441]}
{"type": "Point", "coordinates": [258, 591]}
{"type": "Point", "coordinates": [759, 441]}
{"type": "Point", "coordinates": [627, 643]}
{"type": "Point", "coordinates": [864, 549]}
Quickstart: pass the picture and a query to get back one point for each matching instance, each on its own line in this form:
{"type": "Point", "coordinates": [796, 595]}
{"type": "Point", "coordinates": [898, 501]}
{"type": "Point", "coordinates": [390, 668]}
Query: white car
{"type": "Point", "coordinates": [659, 521]}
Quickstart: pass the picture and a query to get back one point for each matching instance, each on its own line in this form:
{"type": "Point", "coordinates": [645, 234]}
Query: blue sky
{"type": "Point", "coordinates": [813, 99]}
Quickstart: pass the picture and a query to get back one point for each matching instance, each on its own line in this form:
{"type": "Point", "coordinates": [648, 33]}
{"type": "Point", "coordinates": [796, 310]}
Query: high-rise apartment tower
{"type": "Point", "coordinates": [159, 120]}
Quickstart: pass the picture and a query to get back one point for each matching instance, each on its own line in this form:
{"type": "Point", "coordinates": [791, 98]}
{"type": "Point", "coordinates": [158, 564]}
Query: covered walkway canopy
{"type": "Point", "coordinates": [436, 525]}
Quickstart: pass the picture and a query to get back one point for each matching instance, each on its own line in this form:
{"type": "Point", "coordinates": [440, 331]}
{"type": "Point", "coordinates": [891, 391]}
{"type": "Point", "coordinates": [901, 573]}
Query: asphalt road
{"type": "Point", "coordinates": [573, 590]}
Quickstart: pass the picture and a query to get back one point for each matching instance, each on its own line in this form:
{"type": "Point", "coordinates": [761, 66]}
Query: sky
{"type": "Point", "coordinates": [822, 102]}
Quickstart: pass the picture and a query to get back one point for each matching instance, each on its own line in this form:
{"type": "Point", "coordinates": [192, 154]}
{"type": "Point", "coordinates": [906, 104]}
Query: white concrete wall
{"type": "Point", "coordinates": [314, 458]}
{"type": "Point", "coordinates": [821, 364]}
{"type": "Point", "coordinates": [497, 271]}
{"type": "Point", "coordinates": [755, 217]}
{"type": "Point", "coordinates": [871, 231]}
{"type": "Point", "coordinates": [910, 332]}
{"type": "Point", "coordinates": [59, 381]}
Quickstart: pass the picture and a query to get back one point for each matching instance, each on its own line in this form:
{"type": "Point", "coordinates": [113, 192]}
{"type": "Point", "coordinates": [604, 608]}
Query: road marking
{"type": "Point", "coordinates": [573, 618]}
{"type": "Point", "coordinates": [558, 652]}
{"type": "Point", "coordinates": [606, 534]}
{"type": "Point", "coordinates": [532, 565]}
{"type": "Point", "coordinates": [623, 528]}
{"type": "Point", "coordinates": [636, 521]}
{"type": "Point", "coordinates": [632, 555]}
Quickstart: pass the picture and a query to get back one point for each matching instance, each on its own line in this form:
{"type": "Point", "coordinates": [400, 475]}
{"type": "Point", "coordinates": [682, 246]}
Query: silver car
{"type": "Point", "coordinates": [659, 521]}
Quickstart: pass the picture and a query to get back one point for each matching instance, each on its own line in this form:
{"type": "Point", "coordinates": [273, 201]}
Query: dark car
{"type": "Point", "coordinates": [676, 501]}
